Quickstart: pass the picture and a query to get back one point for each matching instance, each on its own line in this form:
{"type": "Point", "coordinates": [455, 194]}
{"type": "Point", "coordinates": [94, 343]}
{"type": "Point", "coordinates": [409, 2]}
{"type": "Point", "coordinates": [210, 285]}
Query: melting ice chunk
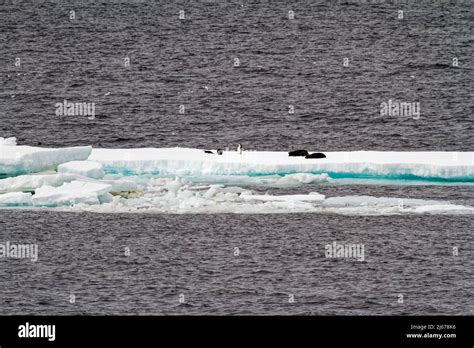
{"type": "Point", "coordinates": [89, 169]}
{"type": "Point", "coordinates": [29, 183]}
{"type": "Point", "coordinates": [312, 197]}
{"type": "Point", "coordinates": [15, 198]}
{"type": "Point", "coordinates": [72, 193]}
{"type": "Point", "coordinates": [15, 160]}
{"type": "Point", "coordinates": [7, 141]}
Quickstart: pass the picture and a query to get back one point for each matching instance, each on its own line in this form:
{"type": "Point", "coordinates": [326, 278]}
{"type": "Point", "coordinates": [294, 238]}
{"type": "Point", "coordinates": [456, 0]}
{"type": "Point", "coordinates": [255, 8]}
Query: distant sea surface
{"type": "Point", "coordinates": [283, 64]}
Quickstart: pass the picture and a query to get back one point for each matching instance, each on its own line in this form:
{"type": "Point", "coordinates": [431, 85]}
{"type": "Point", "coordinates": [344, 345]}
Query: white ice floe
{"type": "Point", "coordinates": [178, 196]}
{"type": "Point", "coordinates": [311, 197]}
{"type": "Point", "coordinates": [88, 169]}
{"type": "Point", "coordinates": [165, 195]}
{"type": "Point", "coordinates": [368, 205]}
{"type": "Point", "coordinates": [72, 193]}
{"type": "Point", "coordinates": [121, 185]}
{"type": "Point", "coordinates": [277, 181]}
{"type": "Point", "coordinates": [7, 141]}
{"type": "Point", "coordinates": [181, 180]}
{"type": "Point", "coordinates": [364, 201]}
{"type": "Point", "coordinates": [15, 199]}
{"type": "Point", "coordinates": [29, 183]}
{"type": "Point", "coordinates": [301, 178]}
{"type": "Point", "coordinates": [15, 160]}
{"type": "Point", "coordinates": [194, 162]}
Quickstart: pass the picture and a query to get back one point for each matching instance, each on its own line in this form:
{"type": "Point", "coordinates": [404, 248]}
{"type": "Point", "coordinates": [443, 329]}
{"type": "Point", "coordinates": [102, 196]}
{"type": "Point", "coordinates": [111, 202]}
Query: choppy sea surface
{"type": "Point", "coordinates": [283, 64]}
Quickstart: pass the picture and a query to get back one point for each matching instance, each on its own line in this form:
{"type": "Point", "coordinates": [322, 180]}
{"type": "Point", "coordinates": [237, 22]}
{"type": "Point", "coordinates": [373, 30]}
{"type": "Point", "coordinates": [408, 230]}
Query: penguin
{"type": "Point", "coordinates": [239, 149]}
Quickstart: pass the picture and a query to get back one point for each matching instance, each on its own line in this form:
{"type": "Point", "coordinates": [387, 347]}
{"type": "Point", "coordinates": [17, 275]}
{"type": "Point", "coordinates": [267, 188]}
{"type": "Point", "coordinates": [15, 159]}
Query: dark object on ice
{"type": "Point", "coordinates": [220, 152]}
{"type": "Point", "coordinates": [298, 153]}
{"type": "Point", "coordinates": [207, 151]}
{"type": "Point", "coordinates": [316, 155]}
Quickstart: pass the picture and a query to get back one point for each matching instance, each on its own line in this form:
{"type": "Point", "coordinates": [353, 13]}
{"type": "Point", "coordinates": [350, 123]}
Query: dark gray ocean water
{"type": "Point", "coordinates": [193, 255]}
{"type": "Point", "coordinates": [297, 64]}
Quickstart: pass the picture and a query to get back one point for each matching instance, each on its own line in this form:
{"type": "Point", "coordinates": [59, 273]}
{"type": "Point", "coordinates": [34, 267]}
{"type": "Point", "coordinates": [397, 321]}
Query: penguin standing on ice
{"type": "Point", "coordinates": [239, 149]}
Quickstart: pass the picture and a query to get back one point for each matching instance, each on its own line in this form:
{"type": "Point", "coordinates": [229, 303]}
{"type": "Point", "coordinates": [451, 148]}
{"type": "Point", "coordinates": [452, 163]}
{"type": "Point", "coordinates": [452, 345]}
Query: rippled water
{"type": "Point", "coordinates": [283, 62]}
{"type": "Point", "coordinates": [83, 254]}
